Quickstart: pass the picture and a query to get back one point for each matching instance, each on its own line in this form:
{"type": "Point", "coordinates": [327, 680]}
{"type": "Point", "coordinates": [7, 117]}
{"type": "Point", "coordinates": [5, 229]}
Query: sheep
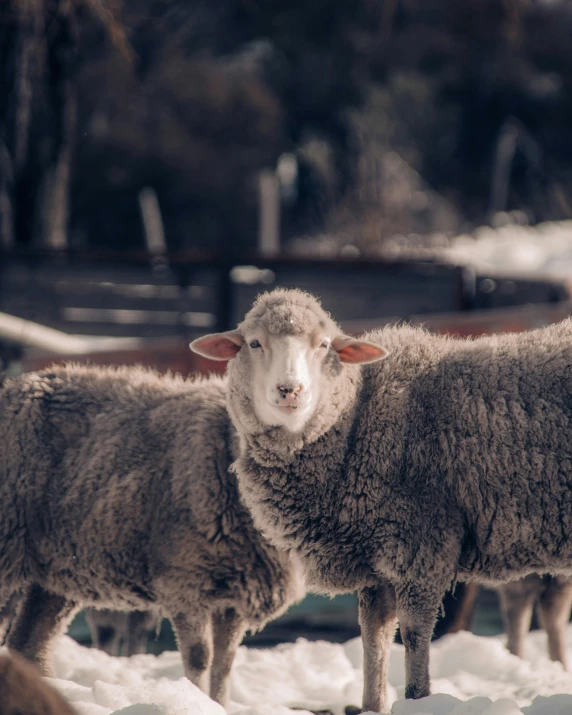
{"type": "Point", "coordinates": [22, 691]}
{"type": "Point", "coordinates": [116, 493]}
{"type": "Point", "coordinates": [119, 633]}
{"type": "Point", "coordinates": [402, 462]}
{"type": "Point", "coordinates": [553, 595]}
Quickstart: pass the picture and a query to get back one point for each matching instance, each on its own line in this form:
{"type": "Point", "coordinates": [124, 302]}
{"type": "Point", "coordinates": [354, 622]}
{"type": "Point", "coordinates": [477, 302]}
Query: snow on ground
{"type": "Point", "coordinates": [545, 249]}
{"type": "Point", "coordinates": [472, 675]}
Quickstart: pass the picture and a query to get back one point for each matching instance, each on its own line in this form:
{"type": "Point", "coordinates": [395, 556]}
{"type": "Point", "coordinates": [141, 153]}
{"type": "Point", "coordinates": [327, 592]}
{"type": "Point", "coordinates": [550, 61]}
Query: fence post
{"type": "Point", "coordinates": [268, 214]}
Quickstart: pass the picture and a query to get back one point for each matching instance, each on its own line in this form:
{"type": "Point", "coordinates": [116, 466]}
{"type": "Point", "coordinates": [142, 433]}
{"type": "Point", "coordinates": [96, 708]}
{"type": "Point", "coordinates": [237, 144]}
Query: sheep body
{"type": "Point", "coordinates": [450, 460]}
{"type": "Point", "coordinates": [116, 493]}
{"type": "Point", "coordinates": [457, 453]}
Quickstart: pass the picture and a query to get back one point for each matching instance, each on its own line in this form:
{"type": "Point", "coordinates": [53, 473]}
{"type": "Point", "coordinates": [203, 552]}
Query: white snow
{"type": "Point", "coordinates": [544, 250]}
{"type": "Point", "coordinates": [508, 248]}
{"type": "Point", "coordinates": [471, 675]}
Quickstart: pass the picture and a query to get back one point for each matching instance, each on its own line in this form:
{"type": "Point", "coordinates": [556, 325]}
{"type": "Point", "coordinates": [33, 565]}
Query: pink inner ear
{"type": "Point", "coordinates": [360, 352]}
{"type": "Point", "coordinates": [217, 347]}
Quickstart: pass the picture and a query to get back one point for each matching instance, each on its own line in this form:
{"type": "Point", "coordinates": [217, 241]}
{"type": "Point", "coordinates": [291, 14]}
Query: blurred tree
{"type": "Point", "coordinates": [481, 68]}
{"type": "Point", "coordinates": [193, 130]}
{"type": "Point", "coordinates": [474, 95]}
{"type": "Point", "coordinates": [39, 42]}
{"type": "Point", "coordinates": [220, 91]}
{"type": "Point", "coordinates": [321, 67]}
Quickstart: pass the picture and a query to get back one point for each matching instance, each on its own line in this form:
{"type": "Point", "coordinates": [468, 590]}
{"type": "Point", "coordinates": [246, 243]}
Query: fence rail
{"type": "Point", "coordinates": [177, 296]}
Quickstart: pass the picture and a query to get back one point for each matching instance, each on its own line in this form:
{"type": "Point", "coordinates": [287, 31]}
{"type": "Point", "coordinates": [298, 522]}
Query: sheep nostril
{"type": "Point", "coordinates": [283, 390]}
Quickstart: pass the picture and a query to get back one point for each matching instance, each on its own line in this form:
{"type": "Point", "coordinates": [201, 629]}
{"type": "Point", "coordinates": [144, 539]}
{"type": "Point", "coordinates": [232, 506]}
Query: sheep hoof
{"type": "Point", "coordinates": [352, 710]}
{"type": "Point", "coordinates": [413, 692]}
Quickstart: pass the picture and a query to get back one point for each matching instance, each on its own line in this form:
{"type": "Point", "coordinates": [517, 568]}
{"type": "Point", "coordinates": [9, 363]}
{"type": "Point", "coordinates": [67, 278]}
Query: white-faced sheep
{"type": "Point", "coordinates": [115, 492]}
{"type": "Point", "coordinates": [449, 460]}
{"type": "Point", "coordinates": [553, 598]}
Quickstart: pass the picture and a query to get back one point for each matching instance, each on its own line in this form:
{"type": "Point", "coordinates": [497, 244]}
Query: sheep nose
{"type": "Point", "coordinates": [288, 390]}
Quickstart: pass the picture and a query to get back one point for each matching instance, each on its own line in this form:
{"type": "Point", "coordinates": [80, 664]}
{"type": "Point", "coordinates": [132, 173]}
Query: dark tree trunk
{"type": "Point", "coordinates": [39, 42]}
{"type": "Point", "coordinates": [52, 208]}
{"type": "Point", "coordinates": [21, 49]}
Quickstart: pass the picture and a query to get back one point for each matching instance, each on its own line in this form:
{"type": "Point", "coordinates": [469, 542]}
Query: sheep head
{"type": "Point", "coordinates": [288, 358]}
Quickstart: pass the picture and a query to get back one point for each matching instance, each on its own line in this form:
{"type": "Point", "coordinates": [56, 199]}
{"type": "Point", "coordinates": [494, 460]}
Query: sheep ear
{"type": "Point", "coordinates": [218, 346]}
{"type": "Point", "coordinates": [357, 352]}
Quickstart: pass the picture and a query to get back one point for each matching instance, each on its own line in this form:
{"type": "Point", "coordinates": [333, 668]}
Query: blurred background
{"type": "Point", "coordinates": [163, 161]}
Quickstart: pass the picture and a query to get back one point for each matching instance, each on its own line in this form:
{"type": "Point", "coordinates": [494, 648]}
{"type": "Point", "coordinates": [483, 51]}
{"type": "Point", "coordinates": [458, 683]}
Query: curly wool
{"type": "Point", "coordinates": [448, 460]}
{"type": "Point", "coordinates": [115, 492]}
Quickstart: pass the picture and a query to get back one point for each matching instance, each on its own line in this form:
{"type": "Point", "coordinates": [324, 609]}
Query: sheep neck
{"type": "Point", "coordinates": [300, 477]}
{"type": "Point", "coordinates": [325, 434]}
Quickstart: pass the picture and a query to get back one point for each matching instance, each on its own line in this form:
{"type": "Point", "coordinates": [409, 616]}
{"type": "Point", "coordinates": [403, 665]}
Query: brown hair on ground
{"type": "Point", "coordinates": [23, 692]}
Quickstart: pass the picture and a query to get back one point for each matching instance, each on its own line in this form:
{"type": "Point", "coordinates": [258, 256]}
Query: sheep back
{"type": "Point", "coordinates": [116, 492]}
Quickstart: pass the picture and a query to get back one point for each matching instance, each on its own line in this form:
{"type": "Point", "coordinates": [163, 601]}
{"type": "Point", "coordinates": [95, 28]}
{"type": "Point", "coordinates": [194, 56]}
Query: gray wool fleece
{"type": "Point", "coordinates": [115, 491]}
{"type": "Point", "coordinates": [450, 459]}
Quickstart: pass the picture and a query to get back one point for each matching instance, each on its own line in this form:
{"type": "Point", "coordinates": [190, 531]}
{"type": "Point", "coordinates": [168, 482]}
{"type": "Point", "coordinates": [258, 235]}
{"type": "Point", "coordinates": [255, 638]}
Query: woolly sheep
{"type": "Point", "coordinates": [553, 596]}
{"type": "Point", "coordinates": [449, 460]}
{"type": "Point", "coordinates": [116, 493]}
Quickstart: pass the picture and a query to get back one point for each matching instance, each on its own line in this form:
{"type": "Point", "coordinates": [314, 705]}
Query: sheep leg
{"type": "Point", "coordinates": [8, 612]}
{"type": "Point", "coordinates": [554, 612]}
{"type": "Point", "coordinates": [137, 633]}
{"type": "Point", "coordinates": [41, 617]}
{"type": "Point", "coordinates": [194, 636]}
{"type": "Point", "coordinates": [377, 618]}
{"type": "Point", "coordinates": [228, 631]}
{"type": "Point", "coordinates": [106, 638]}
{"type": "Point", "coordinates": [516, 602]}
{"type": "Point", "coordinates": [417, 608]}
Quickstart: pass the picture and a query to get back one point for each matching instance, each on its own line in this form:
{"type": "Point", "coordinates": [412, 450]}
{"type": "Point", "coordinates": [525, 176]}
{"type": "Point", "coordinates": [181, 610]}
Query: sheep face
{"type": "Point", "coordinates": [287, 374]}
{"type": "Point", "coordinates": [288, 358]}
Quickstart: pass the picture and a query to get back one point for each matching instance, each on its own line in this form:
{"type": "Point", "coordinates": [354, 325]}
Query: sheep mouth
{"type": "Point", "coordinates": [291, 409]}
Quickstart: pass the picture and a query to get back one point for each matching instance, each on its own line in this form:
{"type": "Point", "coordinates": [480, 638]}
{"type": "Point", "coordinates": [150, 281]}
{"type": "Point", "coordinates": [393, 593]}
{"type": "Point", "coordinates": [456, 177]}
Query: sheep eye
{"type": "Point", "coordinates": [325, 344]}
{"type": "Point", "coordinates": [255, 344]}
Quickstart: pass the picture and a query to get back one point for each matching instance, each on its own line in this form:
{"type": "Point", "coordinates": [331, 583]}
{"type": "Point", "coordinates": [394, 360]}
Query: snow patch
{"type": "Point", "coordinates": [471, 675]}
{"type": "Point", "coordinates": [544, 250]}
